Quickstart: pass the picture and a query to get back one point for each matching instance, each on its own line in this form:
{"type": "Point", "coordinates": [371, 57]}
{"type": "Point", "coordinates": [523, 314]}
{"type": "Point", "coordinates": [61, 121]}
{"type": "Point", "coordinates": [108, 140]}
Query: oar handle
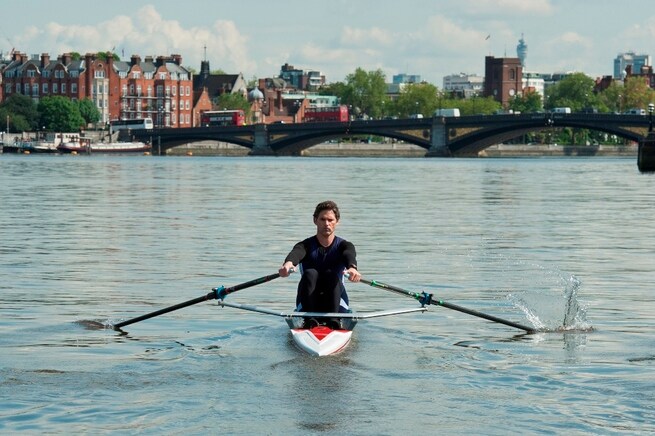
{"type": "Point", "coordinates": [425, 298]}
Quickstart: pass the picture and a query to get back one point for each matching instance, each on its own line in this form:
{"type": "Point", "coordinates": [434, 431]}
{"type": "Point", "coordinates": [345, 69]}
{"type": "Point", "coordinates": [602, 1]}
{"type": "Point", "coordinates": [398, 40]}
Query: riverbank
{"type": "Point", "coordinates": [349, 149]}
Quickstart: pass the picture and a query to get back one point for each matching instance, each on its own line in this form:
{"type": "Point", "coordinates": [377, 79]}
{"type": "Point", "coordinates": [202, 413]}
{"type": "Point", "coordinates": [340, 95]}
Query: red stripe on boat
{"type": "Point", "coordinates": [321, 331]}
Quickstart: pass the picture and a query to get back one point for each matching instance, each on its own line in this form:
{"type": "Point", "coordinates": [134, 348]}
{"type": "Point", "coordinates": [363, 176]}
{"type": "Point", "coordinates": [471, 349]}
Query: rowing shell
{"type": "Point", "coordinates": [321, 340]}
{"type": "Point", "coordinates": [333, 332]}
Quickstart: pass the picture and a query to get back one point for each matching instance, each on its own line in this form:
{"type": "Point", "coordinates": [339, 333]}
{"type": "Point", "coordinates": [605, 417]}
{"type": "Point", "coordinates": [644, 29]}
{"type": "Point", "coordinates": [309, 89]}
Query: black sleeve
{"type": "Point", "coordinates": [349, 254]}
{"type": "Point", "coordinates": [297, 253]}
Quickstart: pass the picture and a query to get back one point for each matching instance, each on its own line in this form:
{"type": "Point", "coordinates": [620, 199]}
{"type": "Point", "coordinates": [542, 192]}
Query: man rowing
{"type": "Point", "coordinates": [323, 261]}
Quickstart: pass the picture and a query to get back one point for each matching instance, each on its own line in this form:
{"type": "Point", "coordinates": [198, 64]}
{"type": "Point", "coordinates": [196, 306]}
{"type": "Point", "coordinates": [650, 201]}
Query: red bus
{"type": "Point", "coordinates": [235, 117]}
{"type": "Point", "coordinates": [326, 114]}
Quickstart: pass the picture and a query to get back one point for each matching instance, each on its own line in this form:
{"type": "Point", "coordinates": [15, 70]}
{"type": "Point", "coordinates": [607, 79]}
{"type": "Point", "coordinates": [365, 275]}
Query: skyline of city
{"type": "Point", "coordinates": [441, 40]}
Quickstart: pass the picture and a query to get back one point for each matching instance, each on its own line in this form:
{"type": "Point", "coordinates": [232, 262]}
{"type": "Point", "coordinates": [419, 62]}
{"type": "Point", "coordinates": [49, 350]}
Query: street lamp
{"type": "Point", "coordinates": [651, 109]}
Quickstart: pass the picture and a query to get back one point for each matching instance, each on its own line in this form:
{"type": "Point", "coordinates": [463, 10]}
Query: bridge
{"type": "Point", "coordinates": [439, 136]}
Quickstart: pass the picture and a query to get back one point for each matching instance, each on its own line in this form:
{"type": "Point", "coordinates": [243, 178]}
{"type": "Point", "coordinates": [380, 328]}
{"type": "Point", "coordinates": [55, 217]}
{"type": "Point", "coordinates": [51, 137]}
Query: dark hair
{"type": "Point", "coordinates": [327, 205]}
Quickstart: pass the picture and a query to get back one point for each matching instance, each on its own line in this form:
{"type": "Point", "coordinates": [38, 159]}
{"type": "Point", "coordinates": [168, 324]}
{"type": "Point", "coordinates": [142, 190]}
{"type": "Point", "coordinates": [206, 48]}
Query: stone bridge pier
{"type": "Point", "coordinates": [439, 147]}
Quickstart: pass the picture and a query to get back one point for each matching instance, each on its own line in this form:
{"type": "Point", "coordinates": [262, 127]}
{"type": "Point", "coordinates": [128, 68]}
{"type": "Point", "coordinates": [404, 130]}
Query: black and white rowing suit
{"type": "Point", "coordinates": [321, 287]}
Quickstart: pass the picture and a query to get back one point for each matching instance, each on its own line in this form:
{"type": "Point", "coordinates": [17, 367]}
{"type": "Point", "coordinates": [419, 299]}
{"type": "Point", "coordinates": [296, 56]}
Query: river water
{"type": "Point", "coordinates": [566, 245]}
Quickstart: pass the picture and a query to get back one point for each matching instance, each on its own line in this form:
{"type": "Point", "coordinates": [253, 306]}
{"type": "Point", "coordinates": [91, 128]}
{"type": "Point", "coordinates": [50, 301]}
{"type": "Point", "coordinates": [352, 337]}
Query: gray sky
{"type": "Point", "coordinates": [255, 37]}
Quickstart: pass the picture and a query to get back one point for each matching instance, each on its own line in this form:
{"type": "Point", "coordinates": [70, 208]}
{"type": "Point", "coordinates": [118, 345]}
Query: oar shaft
{"type": "Point", "coordinates": [482, 315]}
{"type": "Point", "coordinates": [217, 293]}
{"type": "Point", "coordinates": [209, 296]}
{"type": "Point", "coordinates": [419, 296]}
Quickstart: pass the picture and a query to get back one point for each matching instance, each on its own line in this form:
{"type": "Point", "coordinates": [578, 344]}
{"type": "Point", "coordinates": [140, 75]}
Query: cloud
{"type": "Point", "coordinates": [146, 32]}
{"type": "Point", "coordinates": [507, 7]}
{"type": "Point", "coordinates": [351, 36]}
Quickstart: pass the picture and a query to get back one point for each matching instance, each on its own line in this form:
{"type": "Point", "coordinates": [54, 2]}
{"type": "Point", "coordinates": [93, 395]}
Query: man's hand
{"type": "Point", "coordinates": [353, 274]}
{"type": "Point", "coordinates": [286, 269]}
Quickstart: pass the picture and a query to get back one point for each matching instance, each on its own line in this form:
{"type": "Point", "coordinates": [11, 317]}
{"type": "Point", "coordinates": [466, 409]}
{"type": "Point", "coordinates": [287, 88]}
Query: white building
{"type": "Point", "coordinates": [636, 61]}
{"type": "Point", "coordinates": [465, 85]}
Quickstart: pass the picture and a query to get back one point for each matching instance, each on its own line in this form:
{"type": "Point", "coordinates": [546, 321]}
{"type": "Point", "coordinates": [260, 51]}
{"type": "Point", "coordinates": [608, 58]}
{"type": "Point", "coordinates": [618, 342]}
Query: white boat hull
{"type": "Point", "coordinates": [321, 340]}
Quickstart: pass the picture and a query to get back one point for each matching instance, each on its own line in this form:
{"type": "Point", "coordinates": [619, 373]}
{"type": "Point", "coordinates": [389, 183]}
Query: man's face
{"type": "Point", "coordinates": [326, 223]}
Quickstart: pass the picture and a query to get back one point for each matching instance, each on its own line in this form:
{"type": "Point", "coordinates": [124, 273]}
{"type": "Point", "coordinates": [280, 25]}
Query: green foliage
{"type": "Point", "coordinates": [417, 98]}
{"type": "Point", "coordinates": [59, 114]}
{"type": "Point", "coordinates": [526, 103]}
{"type": "Point", "coordinates": [104, 55]}
{"type": "Point", "coordinates": [229, 101]}
{"type": "Point", "coordinates": [88, 111]}
{"type": "Point", "coordinates": [365, 92]}
{"type": "Point", "coordinates": [22, 111]}
{"type": "Point", "coordinates": [473, 106]}
{"type": "Point", "coordinates": [575, 91]}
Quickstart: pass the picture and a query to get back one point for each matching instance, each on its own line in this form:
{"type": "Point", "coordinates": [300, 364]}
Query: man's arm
{"type": "Point", "coordinates": [350, 255]}
{"type": "Point", "coordinates": [294, 257]}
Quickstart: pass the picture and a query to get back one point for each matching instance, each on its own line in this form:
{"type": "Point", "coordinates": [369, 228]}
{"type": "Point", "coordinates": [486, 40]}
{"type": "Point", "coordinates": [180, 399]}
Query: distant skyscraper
{"type": "Point", "coordinates": [522, 51]}
{"type": "Point", "coordinates": [636, 61]}
{"type": "Point", "coordinates": [406, 78]}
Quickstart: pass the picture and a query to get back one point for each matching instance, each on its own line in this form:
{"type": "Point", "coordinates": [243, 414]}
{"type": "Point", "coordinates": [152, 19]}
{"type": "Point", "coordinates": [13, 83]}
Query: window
{"type": "Point", "coordinates": [136, 75]}
{"type": "Point", "coordinates": [44, 89]}
{"type": "Point", "coordinates": [99, 74]}
{"type": "Point", "coordinates": [55, 88]}
{"type": "Point", "coordinates": [74, 88]}
{"type": "Point", "coordinates": [31, 73]}
{"type": "Point", "coordinates": [63, 88]}
{"type": "Point", "coordinates": [174, 90]}
{"type": "Point", "coordinates": [35, 89]}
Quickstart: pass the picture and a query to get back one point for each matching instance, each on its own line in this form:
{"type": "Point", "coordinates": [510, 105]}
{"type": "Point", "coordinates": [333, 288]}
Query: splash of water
{"type": "Point", "coordinates": [544, 311]}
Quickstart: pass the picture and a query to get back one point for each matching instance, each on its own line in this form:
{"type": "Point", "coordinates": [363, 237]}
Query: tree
{"type": "Point", "coordinates": [575, 91]}
{"type": "Point", "coordinates": [528, 102]}
{"type": "Point", "coordinates": [473, 105]}
{"type": "Point", "coordinates": [417, 98]}
{"type": "Point", "coordinates": [88, 111]}
{"type": "Point", "coordinates": [365, 92]}
{"type": "Point", "coordinates": [636, 94]}
{"type": "Point", "coordinates": [60, 114]}
{"type": "Point", "coordinates": [229, 101]}
{"type": "Point", "coordinates": [23, 114]}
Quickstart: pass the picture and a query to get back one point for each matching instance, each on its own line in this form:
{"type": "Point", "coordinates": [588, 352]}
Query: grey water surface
{"type": "Point", "coordinates": [566, 245]}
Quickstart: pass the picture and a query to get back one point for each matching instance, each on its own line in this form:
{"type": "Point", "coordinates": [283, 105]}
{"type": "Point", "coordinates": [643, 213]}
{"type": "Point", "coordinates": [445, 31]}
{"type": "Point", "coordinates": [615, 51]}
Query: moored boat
{"type": "Point", "coordinates": [104, 147]}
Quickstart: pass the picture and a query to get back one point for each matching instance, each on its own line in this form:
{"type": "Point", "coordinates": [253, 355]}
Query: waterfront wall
{"type": "Point", "coordinates": [346, 149]}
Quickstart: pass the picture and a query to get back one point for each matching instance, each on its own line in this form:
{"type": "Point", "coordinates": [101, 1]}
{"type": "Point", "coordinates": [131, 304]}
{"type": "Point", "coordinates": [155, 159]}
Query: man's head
{"type": "Point", "coordinates": [327, 205]}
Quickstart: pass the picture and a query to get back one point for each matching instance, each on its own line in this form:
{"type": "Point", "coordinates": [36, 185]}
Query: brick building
{"type": "Point", "coordinates": [159, 88]}
{"type": "Point", "coordinates": [503, 78]}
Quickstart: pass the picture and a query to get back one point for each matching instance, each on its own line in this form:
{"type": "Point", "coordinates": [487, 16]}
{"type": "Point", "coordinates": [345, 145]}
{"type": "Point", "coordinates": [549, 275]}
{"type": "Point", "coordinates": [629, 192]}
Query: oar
{"type": "Point", "coordinates": [425, 298]}
{"type": "Point", "coordinates": [216, 293]}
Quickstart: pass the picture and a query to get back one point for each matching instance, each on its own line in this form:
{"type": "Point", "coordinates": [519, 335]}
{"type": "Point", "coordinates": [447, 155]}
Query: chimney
{"type": "Point", "coordinates": [45, 60]}
{"type": "Point", "coordinates": [135, 60]}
